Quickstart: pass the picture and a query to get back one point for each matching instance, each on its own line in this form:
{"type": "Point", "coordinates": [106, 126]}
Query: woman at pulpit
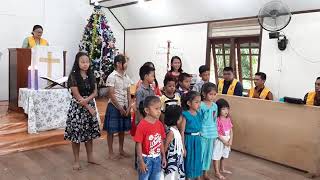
{"type": "Point", "coordinates": [313, 98]}
{"type": "Point", "coordinates": [35, 39]}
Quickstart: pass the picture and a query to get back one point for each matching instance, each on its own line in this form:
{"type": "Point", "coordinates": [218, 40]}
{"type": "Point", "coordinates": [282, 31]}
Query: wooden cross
{"type": "Point", "coordinates": [168, 50]}
{"type": "Point", "coordinates": [168, 54]}
{"type": "Point", "coordinates": [49, 62]}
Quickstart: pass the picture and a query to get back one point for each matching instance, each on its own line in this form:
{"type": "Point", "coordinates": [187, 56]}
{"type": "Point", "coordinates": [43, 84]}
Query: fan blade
{"type": "Point", "coordinates": [274, 15]}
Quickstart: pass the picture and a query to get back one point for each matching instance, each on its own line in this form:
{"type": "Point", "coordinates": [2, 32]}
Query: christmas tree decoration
{"type": "Point", "coordinates": [99, 42]}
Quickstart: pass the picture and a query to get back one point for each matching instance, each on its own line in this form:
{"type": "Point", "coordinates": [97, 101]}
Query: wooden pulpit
{"type": "Point", "coordinates": [19, 61]}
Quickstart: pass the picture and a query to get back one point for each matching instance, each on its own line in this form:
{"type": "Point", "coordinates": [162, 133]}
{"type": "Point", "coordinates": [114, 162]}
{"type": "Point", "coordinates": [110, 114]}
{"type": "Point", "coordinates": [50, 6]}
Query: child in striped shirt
{"type": "Point", "coordinates": [170, 97]}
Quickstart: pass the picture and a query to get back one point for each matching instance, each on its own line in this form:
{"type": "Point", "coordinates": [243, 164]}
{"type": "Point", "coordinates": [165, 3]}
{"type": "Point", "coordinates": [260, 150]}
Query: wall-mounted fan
{"type": "Point", "coordinates": [273, 17]}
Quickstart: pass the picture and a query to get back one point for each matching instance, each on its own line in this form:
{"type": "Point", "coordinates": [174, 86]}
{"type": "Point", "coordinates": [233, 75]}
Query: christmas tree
{"type": "Point", "coordinates": [98, 41]}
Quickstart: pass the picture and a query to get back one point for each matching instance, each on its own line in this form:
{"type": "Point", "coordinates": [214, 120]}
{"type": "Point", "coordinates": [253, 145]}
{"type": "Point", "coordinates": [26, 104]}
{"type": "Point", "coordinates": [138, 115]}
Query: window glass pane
{"type": "Point", "coordinates": [245, 65]}
{"type": "Point", "coordinates": [220, 72]}
{"type": "Point", "coordinates": [247, 84]}
{"type": "Point", "coordinates": [244, 51]}
{"type": "Point", "coordinates": [254, 64]}
{"type": "Point", "coordinates": [212, 69]}
{"type": "Point", "coordinates": [218, 50]}
{"type": "Point", "coordinates": [255, 50]}
{"type": "Point", "coordinates": [227, 50]}
{"type": "Point", "coordinates": [220, 64]}
{"type": "Point", "coordinates": [227, 57]}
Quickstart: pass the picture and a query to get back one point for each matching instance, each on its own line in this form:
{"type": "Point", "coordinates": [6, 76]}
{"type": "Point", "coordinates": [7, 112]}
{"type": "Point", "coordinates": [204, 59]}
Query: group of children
{"type": "Point", "coordinates": [179, 129]}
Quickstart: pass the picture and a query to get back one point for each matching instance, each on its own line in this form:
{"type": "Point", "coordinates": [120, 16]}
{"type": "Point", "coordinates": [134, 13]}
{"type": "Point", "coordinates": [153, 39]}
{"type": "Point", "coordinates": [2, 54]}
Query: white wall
{"type": "Point", "coordinates": [293, 72]}
{"type": "Point", "coordinates": [290, 73]}
{"type": "Point", "coordinates": [189, 42]}
{"type": "Point", "coordinates": [63, 22]}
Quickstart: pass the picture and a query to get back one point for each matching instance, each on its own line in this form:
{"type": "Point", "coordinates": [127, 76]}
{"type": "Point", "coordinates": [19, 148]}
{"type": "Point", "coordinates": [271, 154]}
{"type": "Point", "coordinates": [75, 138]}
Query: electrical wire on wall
{"type": "Point", "coordinates": [280, 71]}
{"type": "Point", "coordinates": [305, 58]}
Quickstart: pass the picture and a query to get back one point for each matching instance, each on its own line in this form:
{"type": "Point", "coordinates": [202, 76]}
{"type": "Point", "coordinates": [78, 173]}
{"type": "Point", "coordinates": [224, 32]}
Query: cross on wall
{"type": "Point", "coordinates": [50, 61]}
{"type": "Point", "coordinates": [169, 50]}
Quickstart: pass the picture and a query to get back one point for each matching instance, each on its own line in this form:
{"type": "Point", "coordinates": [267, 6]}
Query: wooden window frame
{"type": "Point", "coordinates": [235, 50]}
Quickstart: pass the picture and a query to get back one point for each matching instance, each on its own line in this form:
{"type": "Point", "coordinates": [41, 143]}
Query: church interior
{"type": "Point", "coordinates": [275, 129]}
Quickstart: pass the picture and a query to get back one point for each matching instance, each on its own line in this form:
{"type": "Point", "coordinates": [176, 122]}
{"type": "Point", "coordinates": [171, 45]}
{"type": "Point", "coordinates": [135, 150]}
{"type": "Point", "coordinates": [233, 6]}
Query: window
{"type": "Point", "coordinates": [241, 53]}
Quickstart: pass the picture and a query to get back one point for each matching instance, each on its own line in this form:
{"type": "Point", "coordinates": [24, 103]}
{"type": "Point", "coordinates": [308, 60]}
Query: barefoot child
{"type": "Point", "coordinates": [82, 122]}
{"type": "Point", "coordinates": [222, 145]}
{"type": "Point", "coordinates": [190, 132]}
{"type": "Point", "coordinates": [209, 133]}
{"type": "Point", "coordinates": [117, 118]}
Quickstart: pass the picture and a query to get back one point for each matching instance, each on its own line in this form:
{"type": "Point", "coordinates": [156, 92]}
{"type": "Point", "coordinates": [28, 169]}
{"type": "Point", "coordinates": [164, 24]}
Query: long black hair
{"type": "Point", "coordinates": [172, 59]}
{"type": "Point", "coordinates": [190, 96]}
{"type": "Point", "coordinates": [36, 27]}
{"type": "Point", "coordinates": [172, 115]}
{"type": "Point", "coordinates": [152, 65]}
{"type": "Point", "coordinates": [76, 76]}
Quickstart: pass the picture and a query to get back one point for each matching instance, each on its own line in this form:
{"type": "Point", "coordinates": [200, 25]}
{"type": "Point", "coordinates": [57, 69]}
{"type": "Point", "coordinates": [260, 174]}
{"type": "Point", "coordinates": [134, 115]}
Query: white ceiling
{"type": "Point", "coordinates": [167, 12]}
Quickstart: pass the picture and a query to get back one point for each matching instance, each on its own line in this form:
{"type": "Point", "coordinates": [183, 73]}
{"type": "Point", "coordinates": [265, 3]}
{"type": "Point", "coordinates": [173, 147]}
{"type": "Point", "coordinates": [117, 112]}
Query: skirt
{"type": "Point", "coordinates": [206, 152]}
{"type": "Point", "coordinates": [114, 122]}
{"type": "Point", "coordinates": [220, 150]}
{"type": "Point", "coordinates": [193, 164]}
{"type": "Point", "coordinates": [175, 168]}
{"type": "Point", "coordinates": [172, 176]}
{"type": "Point", "coordinates": [81, 126]}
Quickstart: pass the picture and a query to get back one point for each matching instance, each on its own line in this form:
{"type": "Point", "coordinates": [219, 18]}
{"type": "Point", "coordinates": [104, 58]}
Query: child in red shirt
{"type": "Point", "coordinates": [149, 138]}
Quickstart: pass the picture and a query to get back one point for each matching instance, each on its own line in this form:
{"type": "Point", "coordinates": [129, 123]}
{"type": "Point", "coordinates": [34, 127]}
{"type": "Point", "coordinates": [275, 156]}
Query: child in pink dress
{"type": "Point", "coordinates": [222, 145]}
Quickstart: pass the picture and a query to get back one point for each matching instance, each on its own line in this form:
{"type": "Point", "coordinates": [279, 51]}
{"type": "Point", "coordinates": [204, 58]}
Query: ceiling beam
{"type": "Point", "coordinates": [124, 4]}
{"type": "Point", "coordinates": [306, 11]}
{"type": "Point", "coordinates": [219, 20]}
{"type": "Point", "coordinates": [100, 1]}
{"type": "Point", "coordinates": [190, 23]}
{"type": "Point", "coordinates": [117, 19]}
